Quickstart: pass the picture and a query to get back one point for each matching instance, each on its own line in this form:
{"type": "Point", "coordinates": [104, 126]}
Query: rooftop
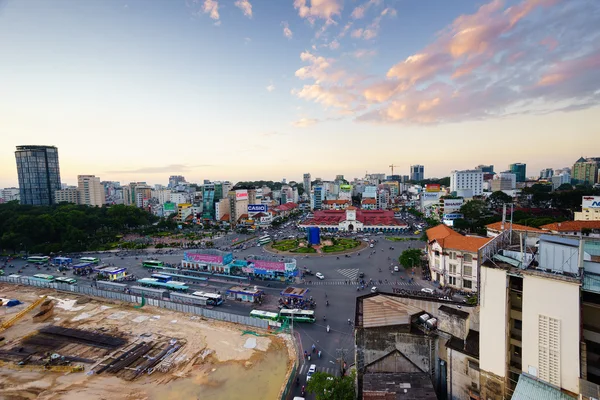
{"type": "Point", "coordinates": [401, 386]}
{"type": "Point", "coordinates": [339, 202]}
{"type": "Point", "coordinates": [497, 226]}
{"type": "Point", "coordinates": [571, 226]}
{"type": "Point", "coordinates": [454, 311]}
{"type": "Point", "coordinates": [530, 388]}
{"type": "Point", "coordinates": [386, 310]}
{"type": "Point", "coordinates": [367, 217]}
{"type": "Point", "coordinates": [294, 292]}
{"type": "Point", "coordinates": [450, 239]}
{"type": "Point", "coordinates": [246, 289]}
{"type": "Point", "coordinates": [469, 346]}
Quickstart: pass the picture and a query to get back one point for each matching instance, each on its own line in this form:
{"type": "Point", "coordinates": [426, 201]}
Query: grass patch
{"type": "Point", "coordinates": [341, 245]}
{"type": "Point", "coordinates": [304, 250]}
{"type": "Point", "coordinates": [401, 239]}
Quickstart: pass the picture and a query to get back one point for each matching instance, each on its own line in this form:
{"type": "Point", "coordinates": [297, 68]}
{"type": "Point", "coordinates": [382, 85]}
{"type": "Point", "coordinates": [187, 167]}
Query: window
{"type": "Point", "coordinates": [467, 270]}
{"type": "Point", "coordinates": [453, 268]}
{"type": "Point", "coordinates": [468, 284]}
{"type": "Point", "coordinates": [518, 324]}
{"type": "Point", "coordinates": [453, 255]}
{"type": "Point", "coordinates": [549, 349]}
{"type": "Point", "coordinates": [468, 257]}
{"type": "Point", "coordinates": [452, 280]}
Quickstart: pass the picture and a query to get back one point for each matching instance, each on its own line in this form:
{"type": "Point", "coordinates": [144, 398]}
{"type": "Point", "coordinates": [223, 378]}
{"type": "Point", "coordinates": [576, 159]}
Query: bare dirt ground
{"type": "Point", "coordinates": [209, 346]}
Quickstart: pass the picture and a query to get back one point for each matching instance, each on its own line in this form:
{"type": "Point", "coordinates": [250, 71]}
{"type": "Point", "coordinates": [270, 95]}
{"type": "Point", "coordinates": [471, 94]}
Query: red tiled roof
{"type": "Point", "coordinates": [449, 239]}
{"type": "Point", "coordinates": [369, 201]}
{"type": "Point", "coordinates": [571, 226]}
{"type": "Point", "coordinates": [497, 226]}
{"type": "Point", "coordinates": [351, 208]}
{"type": "Point", "coordinates": [367, 217]}
{"type": "Point", "coordinates": [287, 207]}
{"type": "Point", "coordinates": [339, 202]}
{"type": "Point", "coordinates": [225, 217]}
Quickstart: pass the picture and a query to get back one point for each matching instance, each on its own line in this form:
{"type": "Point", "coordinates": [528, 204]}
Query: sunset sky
{"type": "Point", "coordinates": [269, 89]}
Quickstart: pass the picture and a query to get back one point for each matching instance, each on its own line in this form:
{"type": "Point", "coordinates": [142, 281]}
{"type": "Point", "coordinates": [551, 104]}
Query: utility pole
{"type": "Point", "coordinates": [341, 353]}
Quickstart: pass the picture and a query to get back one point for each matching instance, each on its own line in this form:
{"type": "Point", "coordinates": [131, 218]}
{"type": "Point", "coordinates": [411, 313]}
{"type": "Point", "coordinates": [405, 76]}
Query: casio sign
{"type": "Point", "coordinates": [257, 208]}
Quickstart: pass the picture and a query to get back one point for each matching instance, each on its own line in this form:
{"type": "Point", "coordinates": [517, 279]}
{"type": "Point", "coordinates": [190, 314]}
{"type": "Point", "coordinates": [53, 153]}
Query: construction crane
{"type": "Point", "coordinates": [392, 167]}
{"type": "Point", "coordinates": [7, 324]}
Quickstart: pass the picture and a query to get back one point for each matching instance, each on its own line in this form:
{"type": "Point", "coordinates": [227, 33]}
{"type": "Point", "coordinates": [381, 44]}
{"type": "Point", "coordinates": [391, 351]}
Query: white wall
{"type": "Point", "coordinates": [556, 299]}
{"type": "Point", "coordinates": [492, 328]}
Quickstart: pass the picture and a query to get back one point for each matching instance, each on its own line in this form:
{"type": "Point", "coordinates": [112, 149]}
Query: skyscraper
{"type": "Point", "coordinates": [307, 184]}
{"type": "Point", "coordinates": [417, 173]}
{"type": "Point", "coordinates": [520, 170]}
{"type": "Point", "coordinates": [39, 174]}
{"type": "Point", "coordinates": [91, 191]}
{"type": "Point", "coordinates": [585, 171]}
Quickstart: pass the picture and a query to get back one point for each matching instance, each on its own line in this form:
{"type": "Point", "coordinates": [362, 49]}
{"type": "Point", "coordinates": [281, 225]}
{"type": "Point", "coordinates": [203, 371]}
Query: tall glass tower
{"type": "Point", "coordinates": [39, 174]}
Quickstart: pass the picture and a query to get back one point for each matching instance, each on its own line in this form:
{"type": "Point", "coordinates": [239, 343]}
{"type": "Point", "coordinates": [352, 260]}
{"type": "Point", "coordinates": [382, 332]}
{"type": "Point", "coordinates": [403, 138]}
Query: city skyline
{"type": "Point", "coordinates": [268, 90]}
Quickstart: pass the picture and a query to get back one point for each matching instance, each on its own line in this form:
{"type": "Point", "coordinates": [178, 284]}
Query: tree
{"type": "Point", "coordinates": [410, 258]}
{"type": "Point", "coordinates": [474, 209]}
{"type": "Point", "coordinates": [499, 198]}
{"type": "Point", "coordinates": [565, 186]}
{"type": "Point", "coordinates": [328, 387]}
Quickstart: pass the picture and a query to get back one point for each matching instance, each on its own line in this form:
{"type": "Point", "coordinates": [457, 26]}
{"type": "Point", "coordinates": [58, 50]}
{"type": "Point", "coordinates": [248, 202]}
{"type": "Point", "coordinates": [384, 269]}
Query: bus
{"type": "Point", "coordinates": [155, 283]}
{"type": "Point", "coordinates": [297, 315]}
{"type": "Point", "coordinates": [162, 278]}
{"type": "Point", "coordinates": [153, 264]}
{"type": "Point", "coordinates": [62, 279]}
{"type": "Point", "coordinates": [38, 259]}
{"type": "Point", "coordinates": [271, 316]}
{"type": "Point", "coordinates": [43, 277]}
{"type": "Point", "coordinates": [91, 260]}
{"type": "Point", "coordinates": [264, 240]}
{"type": "Point", "coordinates": [214, 299]}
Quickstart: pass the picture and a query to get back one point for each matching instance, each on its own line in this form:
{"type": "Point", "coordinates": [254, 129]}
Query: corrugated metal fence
{"type": "Point", "coordinates": [131, 298]}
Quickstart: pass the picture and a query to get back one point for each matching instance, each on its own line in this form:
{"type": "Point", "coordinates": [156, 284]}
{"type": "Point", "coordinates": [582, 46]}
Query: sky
{"type": "Point", "coordinates": [269, 89]}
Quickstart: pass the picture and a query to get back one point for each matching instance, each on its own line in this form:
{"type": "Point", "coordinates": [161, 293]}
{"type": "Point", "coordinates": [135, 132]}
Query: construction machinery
{"type": "Point", "coordinates": [7, 324]}
{"type": "Point", "coordinates": [51, 368]}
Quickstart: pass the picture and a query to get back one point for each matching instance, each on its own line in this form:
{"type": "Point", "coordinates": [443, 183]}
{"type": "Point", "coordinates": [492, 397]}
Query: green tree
{"type": "Point", "coordinates": [328, 387]}
{"type": "Point", "coordinates": [410, 258]}
{"type": "Point", "coordinates": [498, 198]}
{"type": "Point", "coordinates": [565, 186]}
{"type": "Point", "coordinates": [474, 209]}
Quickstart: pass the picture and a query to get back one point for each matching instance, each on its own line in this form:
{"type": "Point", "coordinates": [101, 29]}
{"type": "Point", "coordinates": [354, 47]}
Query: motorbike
{"type": "Point", "coordinates": [327, 303]}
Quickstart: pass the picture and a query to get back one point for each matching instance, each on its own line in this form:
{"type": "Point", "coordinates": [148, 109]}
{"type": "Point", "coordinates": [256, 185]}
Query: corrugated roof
{"type": "Point", "coordinates": [560, 240]}
{"type": "Point", "coordinates": [507, 260]}
{"type": "Point", "coordinates": [385, 310]}
{"type": "Point", "coordinates": [532, 389]}
{"type": "Point", "coordinates": [516, 227]}
{"type": "Point", "coordinates": [591, 282]}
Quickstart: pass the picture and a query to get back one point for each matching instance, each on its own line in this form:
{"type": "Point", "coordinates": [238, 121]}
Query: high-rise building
{"type": "Point", "coordinates": [67, 195]}
{"type": "Point", "coordinates": [546, 173]}
{"type": "Point", "coordinates": [417, 173]}
{"type": "Point", "coordinates": [560, 179]}
{"type": "Point", "coordinates": [585, 171]}
{"type": "Point", "coordinates": [307, 187]}
{"type": "Point", "coordinates": [91, 191]}
{"type": "Point", "coordinates": [488, 169]}
{"type": "Point", "coordinates": [175, 180]}
{"type": "Point", "coordinates": [208, 201]}
{"type": "Point", "coordinates": [520, 170]}
{"type": "Point", "coordinates": [39, 174]}
{"type": "Point", "coordinates": [467, 182]}
{"type": "Point", "coordinates": [10, 194]}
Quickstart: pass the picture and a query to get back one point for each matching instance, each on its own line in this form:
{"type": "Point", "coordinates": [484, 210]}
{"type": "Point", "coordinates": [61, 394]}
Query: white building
{"type": "Point", "coordinates": [10, 194]}
{"type": "Point", "coordinates": [162, 195]}
{"type": "Point", "coordinates": [179, 197]}
{"type": "Point", "coordinates": [467, 180]}
{"type": "Point", "coordinates": [91, 191]}
{"type": "Point", "coordinates": [68, 195]}
{"type": "Point", "coordinates": [560, 179]}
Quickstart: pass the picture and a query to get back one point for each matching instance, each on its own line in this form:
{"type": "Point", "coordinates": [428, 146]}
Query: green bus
{"type": "Point", "coordinates": [271, 316]}
{"type": "Point", "coordinates": [297, 315]}
{"type": "Point", "coordinates": [90, 260]}
{"type": "Point", "coordinates": [43, 277]}
{"type": "Point", "coordinates": [153, 264]}
{"type": "Point", "coordinates": [38, 259]}
{"type": "Point", "coordinates": [62, 279]}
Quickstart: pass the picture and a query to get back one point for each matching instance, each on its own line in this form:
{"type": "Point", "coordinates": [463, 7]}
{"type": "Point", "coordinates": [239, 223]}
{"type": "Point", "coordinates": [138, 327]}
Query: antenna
{"type": "Point", "coordinates": [392, 166]}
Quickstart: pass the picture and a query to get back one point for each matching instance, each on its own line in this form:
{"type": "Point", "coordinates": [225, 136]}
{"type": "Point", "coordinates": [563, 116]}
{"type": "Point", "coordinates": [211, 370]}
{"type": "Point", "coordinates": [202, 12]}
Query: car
{"type": "Point", "coordinates": [371, 245]}
{"type": "Point", "coordinates": [396, 268]}
{"type": "Point", "coordinates": [320, 275]}
{"type": "Point", "coordinates": [308, 272]}
{"type": "Point", "coordinates": [374, 289]}
{"type": "Point", "coordinates": [311, 370]}
{"type": "Point", "coordinates": [427, 290]}
{"type": "Point", "coordinates": [361, 274]}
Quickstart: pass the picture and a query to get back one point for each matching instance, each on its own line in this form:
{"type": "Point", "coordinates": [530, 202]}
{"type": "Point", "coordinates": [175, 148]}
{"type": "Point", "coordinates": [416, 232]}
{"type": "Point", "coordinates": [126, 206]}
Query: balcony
{"type": "Point", "coordinates": [516, 334]}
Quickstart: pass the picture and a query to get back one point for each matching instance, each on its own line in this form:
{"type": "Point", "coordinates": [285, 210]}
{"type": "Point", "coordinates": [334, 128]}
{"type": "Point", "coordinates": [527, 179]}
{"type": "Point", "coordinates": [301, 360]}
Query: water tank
{"type": "Point", "coordinates": [432, 323]}
{"type": "Point", "coordinates": [423, 318]}
{"type": "Point", "coordinates": [314, 235]}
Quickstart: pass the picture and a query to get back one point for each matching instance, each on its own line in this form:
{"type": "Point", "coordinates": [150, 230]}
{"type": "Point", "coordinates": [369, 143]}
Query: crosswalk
{"type": "Point", "coordinates": [333, 370]}
{"type": "Point", "coordinates": [351, 274]}
{"type": "Point", "coordinates": [335, 282]}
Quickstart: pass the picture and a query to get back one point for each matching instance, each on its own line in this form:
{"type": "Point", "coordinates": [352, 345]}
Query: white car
{"type": "Point", "coordinates": [396, 268]}
{"type": "Point", "coordinates": [371, 245]}
{"type": "Point", "coordinates": [320, 275]}
{"type": "Point", "coordinates": [311, 370]}
{"type": "Point", "coordinates": [427, 290]}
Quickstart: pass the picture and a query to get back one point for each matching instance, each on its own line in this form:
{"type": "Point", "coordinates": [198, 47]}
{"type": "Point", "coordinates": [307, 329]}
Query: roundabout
{"type": "Point", "coordinates": [329, 246]}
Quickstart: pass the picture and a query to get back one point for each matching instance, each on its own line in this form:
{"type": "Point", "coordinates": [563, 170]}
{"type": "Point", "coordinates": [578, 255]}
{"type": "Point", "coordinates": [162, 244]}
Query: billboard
{"type": "Point", "coordinates": [257, 208]}
{"type": "Point", "coordinates": [208, 258]}
{"type": "Point", "coordinates": [241, 194]}
{"type": "Point", "coordinates": [432, 187]}
{"type": "Point", "coordinates": [453, 204]}
{"type": "Point", "coordinates": [169, 206]}
{"type": "Point", "coordinates": [453, 216]}
{"type": "Point", "coordinates": [590, 202]}
{"type": "Point", "coordinates": [269, 265]}
{"type": "Point", "coordinates": [346, 188]}
{"type": "Point", "coordinates": [430, 196]}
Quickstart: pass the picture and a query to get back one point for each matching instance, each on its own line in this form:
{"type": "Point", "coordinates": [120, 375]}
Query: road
{"type": "Point", "coordinates": [336, 288]}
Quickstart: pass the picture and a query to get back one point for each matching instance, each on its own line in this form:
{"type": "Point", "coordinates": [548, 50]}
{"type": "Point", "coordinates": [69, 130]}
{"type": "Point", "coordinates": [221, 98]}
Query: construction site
{"type": "Point", "coordinates": [62, 346]}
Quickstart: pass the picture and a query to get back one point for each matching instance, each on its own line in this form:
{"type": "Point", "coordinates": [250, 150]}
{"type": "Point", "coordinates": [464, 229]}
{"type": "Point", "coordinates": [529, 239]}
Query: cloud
{"type": "Point", "coordinates": [172, 168]}
{"type": "Point", "coordinates": [211, 7]}
{"type": "Point", "coordinates": [364, 53]}
{"type": "Point", "coordinates": [360, 11]}
{"type": "Point", "coordinates": [535, 57]}
{"type": "Point", "coordinates": [313, 9]}
{"type": "Point", "coordinates": [334, 45]}
{"type": "Point", "coordinates": [319, 68]}
{"type": "Point", "coordinates": [304, 122]}
{"type": "Point", "coordinates": [271, 87]}
{"type": "Point", "coordinates": [287, 32]}
{"type": "Point", "coordinates": [247, 40]}
{"type": "Point", "coordinates": [372, 30]}
{"type": "Point", "coordinates": [245, 6]}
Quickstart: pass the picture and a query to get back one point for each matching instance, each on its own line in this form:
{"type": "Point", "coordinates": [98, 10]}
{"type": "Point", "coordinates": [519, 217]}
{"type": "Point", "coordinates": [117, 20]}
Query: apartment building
{"type": "Point", "coordinates": [67, 195]}
{"type": "Point", "coordinates": [91, 191]}
{"type": "Point", "coordinates": [453, 258]}
{"type": "Point", "coordinates": [590, 209]}
{"type": "Point", "coordinates": [467, 183]}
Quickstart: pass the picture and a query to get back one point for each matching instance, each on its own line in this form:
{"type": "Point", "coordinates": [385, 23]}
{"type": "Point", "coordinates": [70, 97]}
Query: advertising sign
{"type": "Point", "coordinates": [247, 270]}
{"type": "Point", "coordinates": [453, 216]}
{"type": "Point", "coordinates": [208, 258]}
{"type": "Point", "coordinates": [430, 196]}
{"type": "Point", "coordinates": [346, 188]}
{"type": "Point", "coordinates": [432, 187]}
{"type": "Point", "coordinates": [453, 204]}
{"type": "Point", "coordinates": [269, 265]}
{"type": "Point", "coordinates": [169, 206]}
{"type": "Point", "coordinates": [590, 202]}
{"type": "Point", "coordinates": [257, 208]}
{"type": "Point", "coordinates": [241, 194]}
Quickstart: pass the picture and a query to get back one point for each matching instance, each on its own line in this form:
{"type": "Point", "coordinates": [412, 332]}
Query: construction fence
{"type": "Point", "coordinates": [136, 299]}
